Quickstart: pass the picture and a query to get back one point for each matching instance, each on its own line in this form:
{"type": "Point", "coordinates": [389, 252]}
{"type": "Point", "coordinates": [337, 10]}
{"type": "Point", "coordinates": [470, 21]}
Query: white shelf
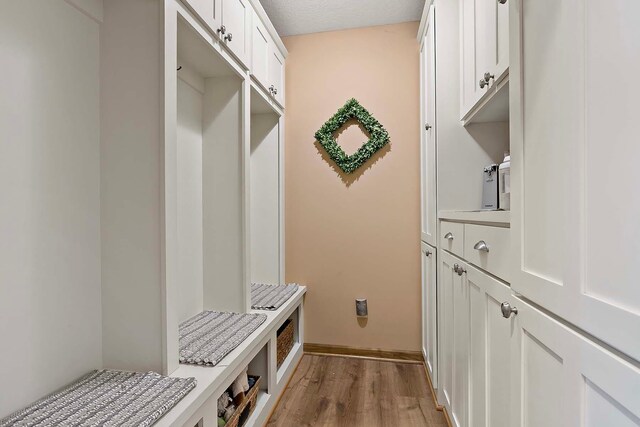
{"type": "Point", "coordinates": [501, 218]}
{"type": "Point", "coordinates": [212, 381]}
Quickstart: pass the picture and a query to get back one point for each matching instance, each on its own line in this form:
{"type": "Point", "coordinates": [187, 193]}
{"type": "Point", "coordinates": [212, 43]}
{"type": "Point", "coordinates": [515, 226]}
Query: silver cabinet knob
{"type": "Point", "coordinates": [507, 310]}
{"type": "Point", "coordinates": [448, 236]}
{"type": "Point", "coordinates": [461, 270]}
{"type": "Point", "coordinates": [456, 267]}
{"type": "Point", "coordinates": [427, 126]}
{"type": "Point", "coordinates": [275, 91]}
{"type": "Point", "coordinates": [228, 37]}
{"type": "Point", "coordinates": [481, 246]}
{"type": "Point", "coordinates": [222, 29]}
{"type": "Point", "coordinates": [483, 83]}
{"type": "Point", "coordinates": [488, 77]}
{"type": "Point", "coordinates": [502, 1]}
{"type": "Point", "coordinates": [427, 252]}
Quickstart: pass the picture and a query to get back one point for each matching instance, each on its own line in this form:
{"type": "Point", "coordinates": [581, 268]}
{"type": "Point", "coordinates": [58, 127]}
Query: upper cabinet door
{"type": "Point", "coordinates": [561, 379]}
{"type": "Point", "coordinates": [276, 74]}
{"type": "Point", "coordinates": [485, 48]}
{"type": "Point", "coordinates": [236, 15]}
{"type": "Point", "coordinates": [470, 91]}
{"type": "Point", "coordinates": [260, 43]}
{"type": "Point", "coordinates": [501, 45]}
{"type": "Point", "coordinates": [210, 11]}
{"type": "Point", "coordinates": [492, 41]}
{"type": "Point", "coordinates": [574, 156]}
{"type": "Point", "coordinates": [428, 174]}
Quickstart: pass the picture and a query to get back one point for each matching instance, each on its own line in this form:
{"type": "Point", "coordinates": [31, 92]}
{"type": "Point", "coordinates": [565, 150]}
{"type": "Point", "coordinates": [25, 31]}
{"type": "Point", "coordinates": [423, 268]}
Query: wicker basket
{"type": "Point", "coordinates": [285, 341]}
{"type": "Point", "coordinates": [244, 410]}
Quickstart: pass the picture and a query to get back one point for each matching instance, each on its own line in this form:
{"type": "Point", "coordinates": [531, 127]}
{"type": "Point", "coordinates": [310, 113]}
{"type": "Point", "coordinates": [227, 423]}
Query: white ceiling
{"type": "Point", "coordinates": [291, 17]}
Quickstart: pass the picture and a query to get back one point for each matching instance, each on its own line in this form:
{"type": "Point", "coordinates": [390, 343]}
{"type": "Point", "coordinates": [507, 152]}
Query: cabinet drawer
{"type": "Point", "coordinates": [452, 237]}
{"type": "Point", "coordinates": [488, 248]}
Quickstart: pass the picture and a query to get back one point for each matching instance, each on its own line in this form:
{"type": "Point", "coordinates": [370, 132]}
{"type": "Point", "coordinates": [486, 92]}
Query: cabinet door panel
{"type": "Point", "coordinates": [210, 11]}
{"type": "Point", "coordinates": [575, 229]}
{"type": "Point", "coordinates": [489, 351]}
{"type": "Point", "coordinates": [429, 311]}
{"type": "Point", "coordinates": [428, 173]}
{"type": "Point", "coordinates": [501, 45]}
{"type": "Point", "coordinates": [470, 91]}
{"type": "Point", "coordinates": [445, 327]}
{"type": "Point", "coordinates": [485, 39]}
{"type": "Point", "coordinates": [260, 45]}
{"type": "Point", "coordinates": [453, 324]}
{"type": "Point", "coordinates": [276, 73]}
{"type": "Point", "coordinates": [235, 17]}
{"type": "Point", "coordinates": [561, 378]}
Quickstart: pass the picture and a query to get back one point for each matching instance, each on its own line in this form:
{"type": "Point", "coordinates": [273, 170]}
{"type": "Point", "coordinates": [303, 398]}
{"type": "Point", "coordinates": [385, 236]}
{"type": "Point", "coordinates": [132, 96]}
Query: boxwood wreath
{"type": "Point", "coordinates": [378, 136]}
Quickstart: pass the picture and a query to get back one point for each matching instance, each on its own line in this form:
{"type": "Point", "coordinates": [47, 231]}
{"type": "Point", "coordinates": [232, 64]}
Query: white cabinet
{"type": "Point", "coordinates": [560, 378]}
{"type": "Point", "coordinates": [484, 47]}
{"type": "Point", "coordinates": [574, 163]}
{"type": "Point", "coordinates": [236, 15]}
{"type": "Point", "coordinates": [474, 340]}
{"type": "Point", "coordinates": [209, 11]}
{"type": "Point", "coordinates": [429, 310]}
{"type": "Point", "coordinates": [428, 132]}
{"type": "Point", "coordinates": [260, 42]}
{"type": "Point", "coordinates": [453, 333]}
{"type": "Point", "coordinates": [489, 350]}
{"type": "Point", "coordinates": [267, 62]}
{"type": "Point", "coordinates": [276, 74]}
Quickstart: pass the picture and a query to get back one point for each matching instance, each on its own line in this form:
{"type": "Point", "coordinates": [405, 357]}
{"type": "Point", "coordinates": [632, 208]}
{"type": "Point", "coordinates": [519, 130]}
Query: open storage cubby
{"type": "Point", "coordinates": [266, 188]}
{"type": "Point", "coordinates": [209, 178]}
{"type": "Point", "coordinates": [292, 321]}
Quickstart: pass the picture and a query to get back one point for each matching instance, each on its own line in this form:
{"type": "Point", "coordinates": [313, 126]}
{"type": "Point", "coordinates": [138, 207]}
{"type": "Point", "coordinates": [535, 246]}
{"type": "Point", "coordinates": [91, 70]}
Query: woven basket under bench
{"type": "Point", "coordinates": [244, 410]}
{"type": "Point", "coordinates": [284, 343]}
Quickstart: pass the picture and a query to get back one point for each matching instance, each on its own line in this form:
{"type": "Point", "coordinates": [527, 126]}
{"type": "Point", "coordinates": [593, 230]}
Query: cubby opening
{"type": "Point", "coordinates": [209, 180]}
{"type": "Point", "coordinates": [265, 192]}
{"type": "Point", "coordinates": [254, 400]}
{"type": "Point", "coordinates": [294, 319]}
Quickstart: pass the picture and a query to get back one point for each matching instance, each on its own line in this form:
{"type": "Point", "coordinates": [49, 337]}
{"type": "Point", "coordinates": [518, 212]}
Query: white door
{"type": "Point", "coordinates": [489, 350]}
{"type": "Point", "coordinates": [260, 41]}
{"type": "Point", "coordinates": [470, 92]}
{"type": "Point", "coordinates": [453, 327]}
{"type": "Point", "coordinates": [429, 311]}
{"type": "Point", "coordinates": [492, 41]}
{"type": "Point", "coordinates": [236, 15]}
{"type": "Point", "coordinates": [428, 172]}
{"type": "Point", "coordinates": [575, 174]}
{"type": "Point", "coordinates": [276, 74]}
{"type": "Point", "coordinates": [501, 44]}
{"type": "Point", "coordinates": [210, 11]}
{"type": "Point", "coordinates": [560, 378]}
{"type": "Point", "coordinates": [446, 277]}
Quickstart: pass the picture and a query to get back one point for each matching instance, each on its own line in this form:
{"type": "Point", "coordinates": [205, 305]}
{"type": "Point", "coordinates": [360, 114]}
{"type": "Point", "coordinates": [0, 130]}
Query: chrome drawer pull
{"type": "Point", "coordinates": [481, 246]}
{"type": "Point", "coordinates": [448, 236]}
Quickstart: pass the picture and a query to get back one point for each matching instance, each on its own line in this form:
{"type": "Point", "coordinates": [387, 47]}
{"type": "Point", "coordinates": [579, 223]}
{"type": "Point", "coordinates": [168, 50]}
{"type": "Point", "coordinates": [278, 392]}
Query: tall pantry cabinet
{"type": "Point", "coordinates": [575, 208]}
{"type": "Point", "coordinates": [537, 313]}
{"type": "Point", "coordinates": [428, 193]}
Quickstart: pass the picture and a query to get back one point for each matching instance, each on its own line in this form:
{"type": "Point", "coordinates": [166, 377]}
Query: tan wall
{"type": "Point", "coordinates": [351, 236]}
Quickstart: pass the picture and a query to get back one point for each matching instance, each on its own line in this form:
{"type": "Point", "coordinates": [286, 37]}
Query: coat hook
{"type": "Point", "coordinates": [179, 67]}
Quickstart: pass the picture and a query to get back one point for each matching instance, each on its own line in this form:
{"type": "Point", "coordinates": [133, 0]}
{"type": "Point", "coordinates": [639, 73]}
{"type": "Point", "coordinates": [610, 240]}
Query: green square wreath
{"type": "Point", "coordinates": [378, 136]}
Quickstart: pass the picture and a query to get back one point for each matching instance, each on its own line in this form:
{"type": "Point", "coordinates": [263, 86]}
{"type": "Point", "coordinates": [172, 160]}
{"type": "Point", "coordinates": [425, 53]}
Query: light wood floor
{"type": "Point", "coordinates": [342, 391]}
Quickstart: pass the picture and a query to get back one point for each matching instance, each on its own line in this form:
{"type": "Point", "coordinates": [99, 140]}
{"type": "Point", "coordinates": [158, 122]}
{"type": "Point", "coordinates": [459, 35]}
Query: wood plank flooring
{"type": "Point", "coordinates": [342, 391]}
